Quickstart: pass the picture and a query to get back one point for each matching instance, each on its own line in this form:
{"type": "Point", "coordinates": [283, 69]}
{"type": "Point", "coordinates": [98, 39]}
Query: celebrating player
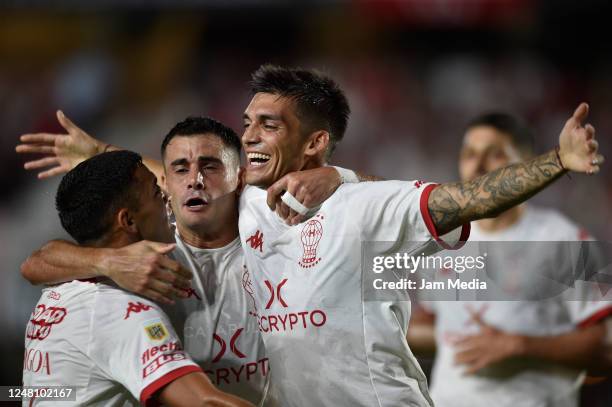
{"type": "Point", "coordinates": [308, 277]}
{"type": "Point", "coordinates": [514, 352]}
{"type": "Point", "coordinates": [113, 347]}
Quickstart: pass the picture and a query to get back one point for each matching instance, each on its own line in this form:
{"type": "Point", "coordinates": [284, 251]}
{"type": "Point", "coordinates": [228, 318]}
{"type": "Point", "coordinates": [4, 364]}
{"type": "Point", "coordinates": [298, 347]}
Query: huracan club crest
{"type": "Point", "coordinates": [310, 237]}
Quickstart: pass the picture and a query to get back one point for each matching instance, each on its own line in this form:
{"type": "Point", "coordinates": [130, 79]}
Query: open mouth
{"type": "Point", "coordinates": [258, 159]}
{"type": "Point", "coordinates": [195, 203]}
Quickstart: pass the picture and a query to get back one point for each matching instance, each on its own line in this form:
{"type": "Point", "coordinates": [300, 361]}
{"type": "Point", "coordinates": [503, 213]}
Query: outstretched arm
{"type": "Point", "coordinates": [141, 267]}
{"type": "Point", "coordinates": [455, 204]}
{"type": "Point", "coordinates": [66, 151]}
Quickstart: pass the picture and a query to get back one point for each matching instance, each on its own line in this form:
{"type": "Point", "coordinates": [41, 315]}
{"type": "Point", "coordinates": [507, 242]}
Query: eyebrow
{"type": "Point", "coordinates": [202, 158]}
{"type": "Point", "coordinates": [263, 117]}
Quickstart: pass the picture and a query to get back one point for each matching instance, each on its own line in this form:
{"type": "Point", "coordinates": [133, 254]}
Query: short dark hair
{"type": "Point", "coordinates": [320, 102]}
{"type": "Point", "coordinates": [193, 125]}
{"type": "Point", "coordinates": [520, 134]}
{"type": "Point", "coordinates": [90, 194]}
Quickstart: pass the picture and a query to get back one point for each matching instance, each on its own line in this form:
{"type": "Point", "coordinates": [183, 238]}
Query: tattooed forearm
{"type": "Point", "coordinates": [454, 204]}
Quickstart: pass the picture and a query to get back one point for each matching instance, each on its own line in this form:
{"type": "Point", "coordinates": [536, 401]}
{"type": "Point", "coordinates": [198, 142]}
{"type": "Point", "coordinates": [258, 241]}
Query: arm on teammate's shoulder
{"type": "Point", "coordinates": [454, 204]}
{"type": "Point", "coordinates": [142, 267]}
{"type": "Point", "coordinates": [195, 389]}
{"type": "Point", "coordinates": [65, 151]}
{"type": "Point", "coordinates": [421, 333]}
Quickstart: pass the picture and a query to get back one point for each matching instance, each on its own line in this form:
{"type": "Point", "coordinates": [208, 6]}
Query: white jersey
{"type": "Point", "coordinates": [513, 383]}
{"type": "Point", "coordinates": [216, 321]}
{"type": "Point", "coordinates": [327, 346]}
{"type": "Point", "coordinates": [115, 347]}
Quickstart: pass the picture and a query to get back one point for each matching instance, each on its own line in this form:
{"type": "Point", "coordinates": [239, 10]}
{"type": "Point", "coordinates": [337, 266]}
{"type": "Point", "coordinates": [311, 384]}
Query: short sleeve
{"type": "Point", "coordinates": [136, 346]}
{"type": "Point", "coordinates": [397, 211]}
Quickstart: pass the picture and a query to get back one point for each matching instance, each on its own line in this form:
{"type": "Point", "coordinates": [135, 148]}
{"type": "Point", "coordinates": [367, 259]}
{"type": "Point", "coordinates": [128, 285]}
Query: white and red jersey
{"type": "Point", "coordinates": [217, 322]}
{"type": "Point", "coordinates": [515, 383]}
{"type": "Point", "coordinates": [115, 347]}
{"type": "Point", "coordinates": [326, 345]}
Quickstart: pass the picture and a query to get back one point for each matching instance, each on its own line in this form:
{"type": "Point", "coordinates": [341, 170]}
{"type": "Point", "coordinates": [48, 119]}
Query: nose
{"type": "Point", "coordinates": [250, 135]}
{"type": "Point", "coordinates": [196, 181]}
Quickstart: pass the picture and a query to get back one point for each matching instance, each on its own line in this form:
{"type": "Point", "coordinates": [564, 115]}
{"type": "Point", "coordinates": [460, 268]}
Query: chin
{"type": "Point", "coordinates": [258, 180]}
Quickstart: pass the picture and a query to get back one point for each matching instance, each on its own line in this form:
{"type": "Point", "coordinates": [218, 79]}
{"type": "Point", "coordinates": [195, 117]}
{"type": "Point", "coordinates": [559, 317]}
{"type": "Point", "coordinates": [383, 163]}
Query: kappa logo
{"type": "Point", "coordinates": [418, 184]}
{"type": "Point", "coordinates": [256, 241]}
{"type": "Point", "coordinates": [232, 343]}
{"type": "Point", "coordinates": [311, 236]}
{"type": "Point", "coordinates": [192, 293]}
{"type": "Point", "coordinates": [136, 308]}
{"type": "Point", "coordinates": [278, 293]}
{"type": "Point", "coordinates": [42, 320]}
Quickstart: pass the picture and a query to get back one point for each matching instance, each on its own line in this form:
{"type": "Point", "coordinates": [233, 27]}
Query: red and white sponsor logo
{"type": "Point", "coordinates": [36, 361]}
{"type": "Point", "coordinates": [162, 360]}
{"type": "Point", "coordinates": [42, 320]}
{"type": "Point", "coordinates": [418, 184]}
{"type": "Point", "coordinates": [310, 237]}
{"type": "Point", "coordinates": [256, 241]}
{"type": "Point", "coordinates": [135, 307]}
{"type": "Point", "coordinates": [53, 295]}
{"type": "Point", "coordinates": [244, 372]}
{"type": "Point", "coordinates": [278, 296]}
{"type": "Point", "coordinates": [234, 349]}
{"type": "Point", "coordinates": [292, 321]}
{"type": "Point", "coordinates": [154, 350]}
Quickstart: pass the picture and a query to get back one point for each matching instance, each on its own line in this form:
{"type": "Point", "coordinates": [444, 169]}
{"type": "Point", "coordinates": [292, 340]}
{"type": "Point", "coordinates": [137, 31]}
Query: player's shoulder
{"type": "Point", "coordinates": [375, 188]}
{"type": "Point", "coordinates": [555, 224]}
{"type": "Point", "coordinates": [115, 306]}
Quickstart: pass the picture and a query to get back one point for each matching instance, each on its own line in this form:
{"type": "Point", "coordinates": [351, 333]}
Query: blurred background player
{"type": "Point", "coordinates": [113, 347]}
{"type": "Point", "coordinates": [308, 277]}
{"type": "Point", "coordinates": [511, 353]}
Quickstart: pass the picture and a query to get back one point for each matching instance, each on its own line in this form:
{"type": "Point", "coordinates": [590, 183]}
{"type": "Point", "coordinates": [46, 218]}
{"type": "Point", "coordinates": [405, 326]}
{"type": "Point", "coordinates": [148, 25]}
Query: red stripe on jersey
{"type": "Point", "coordinates": [147, 392]}
{"type": "Point", "coordinates": [596, 317]}
{"type": "Point", "coordinates": [431, 227]}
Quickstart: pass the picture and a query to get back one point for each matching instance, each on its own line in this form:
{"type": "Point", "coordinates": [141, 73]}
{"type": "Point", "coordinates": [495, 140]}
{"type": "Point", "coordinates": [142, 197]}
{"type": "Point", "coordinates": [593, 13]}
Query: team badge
{"type": "Point", "coordinates": [156, 331]}
{"type": "Point", "coordinates": [311, 236]}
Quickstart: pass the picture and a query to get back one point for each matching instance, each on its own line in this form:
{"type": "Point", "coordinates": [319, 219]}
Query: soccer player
{"type": "Point", "coordinates": [201, 168]}
{"type": "Point", "coordinates": [512, 353]}
{"type": "Point", "coordinates": [113, 347]}
{"type": "Point", "coordinates": [327, 345]}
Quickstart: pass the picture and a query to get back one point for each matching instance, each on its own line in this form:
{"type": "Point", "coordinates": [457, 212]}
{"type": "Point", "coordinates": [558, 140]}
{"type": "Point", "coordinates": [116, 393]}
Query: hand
{"type": "Point", "coordinates": [310, 187]}
{"type": "Point", "coordinates": [143, 268]}
{"type": "Point", "coordinates": [577, 144]}
{"type": "Point", "coordinates": [65, 151]}
{"type": "Point", "coordinates": [486, 348]}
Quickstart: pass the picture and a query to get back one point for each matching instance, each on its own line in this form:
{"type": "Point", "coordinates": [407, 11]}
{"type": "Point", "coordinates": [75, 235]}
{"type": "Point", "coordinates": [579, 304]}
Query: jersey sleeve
{"type": "Point", "coordinates": [397, 211]}
{"type": "Point", "coordinates": [135, 344]}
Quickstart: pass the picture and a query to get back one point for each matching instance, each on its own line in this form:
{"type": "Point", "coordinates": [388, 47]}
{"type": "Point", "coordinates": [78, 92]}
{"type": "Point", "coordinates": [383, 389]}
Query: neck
{"type": "Point", "coordinates": [113, 241]}
{"type": "Point", "coordinates": [209, 239]}
{"type": "Point", "coordinates": [310, 164]}
{"type": "Point", "coordinates": [503, 221]}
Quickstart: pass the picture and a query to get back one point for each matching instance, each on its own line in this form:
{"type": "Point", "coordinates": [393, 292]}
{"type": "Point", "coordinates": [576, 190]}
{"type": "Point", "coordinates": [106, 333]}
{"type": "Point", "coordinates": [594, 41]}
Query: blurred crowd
{"type": "Point", "coordinates": [127, 78]}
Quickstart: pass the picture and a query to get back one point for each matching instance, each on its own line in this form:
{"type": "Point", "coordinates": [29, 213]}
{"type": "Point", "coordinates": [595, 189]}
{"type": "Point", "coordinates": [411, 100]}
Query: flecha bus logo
{"type": "Point", "coordinates": [310, 236]}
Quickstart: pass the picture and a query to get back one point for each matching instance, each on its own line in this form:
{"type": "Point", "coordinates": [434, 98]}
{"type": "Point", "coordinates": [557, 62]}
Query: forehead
{"type": "Point", "coordinates": [269, 104]}
{"type": "Point", "coordinates": [144, 177]}
{"type": "Point", "coordinates": [193, 146]}
{"type": "Point", "coordinates": [482, 137]}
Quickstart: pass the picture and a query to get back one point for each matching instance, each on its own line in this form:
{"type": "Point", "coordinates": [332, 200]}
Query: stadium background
{"type": "Point", "coordinates": [415, 71]}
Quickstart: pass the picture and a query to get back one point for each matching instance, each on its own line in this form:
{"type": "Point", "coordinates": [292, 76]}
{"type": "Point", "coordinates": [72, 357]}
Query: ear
{"type": "Point", "coordinates": [126, 222]}
{"type": "Point", "coordinates": [317, 144]}
{"type": "Point", "coordinates": [162, 182]}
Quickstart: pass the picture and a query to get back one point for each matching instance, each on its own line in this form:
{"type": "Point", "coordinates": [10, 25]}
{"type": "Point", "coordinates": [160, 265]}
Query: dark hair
{"type": "Point", "coordinates": [90, 194]}
{"type": "Point", "coordinates": [519, 132]}
{"type": "Point", "coordinates": [192, 126]}
{"type": "Point", "coordinates": [320, 102]}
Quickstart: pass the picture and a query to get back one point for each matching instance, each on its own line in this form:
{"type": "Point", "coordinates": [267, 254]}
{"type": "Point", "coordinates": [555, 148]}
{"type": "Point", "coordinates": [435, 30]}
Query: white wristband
{"type": "Point", "coordinates": [347, 176]}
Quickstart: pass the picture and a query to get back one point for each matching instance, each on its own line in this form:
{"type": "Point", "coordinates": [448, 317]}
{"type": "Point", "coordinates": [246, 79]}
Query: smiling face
{"type": "Point", "coordinates": [272, 139]}
{"type": "Point", "coordinates": [201, 175]}
{"type": "Point", "coordinates": [485, 149]}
